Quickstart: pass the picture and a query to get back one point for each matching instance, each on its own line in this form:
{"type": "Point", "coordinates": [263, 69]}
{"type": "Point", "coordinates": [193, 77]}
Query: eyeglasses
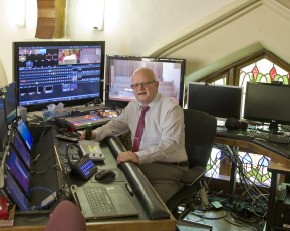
{"type": "Point", "coordinates": [146, 84]}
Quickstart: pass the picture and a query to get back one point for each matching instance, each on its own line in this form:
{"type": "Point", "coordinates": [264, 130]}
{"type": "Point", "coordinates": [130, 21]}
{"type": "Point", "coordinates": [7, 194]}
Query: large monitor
{"type": "Point", "coordinates": [3, 125]}
{"type": "Point", "coordinates": [119, 69]}
{"type": "Point", "coordinates": [268, 103]}
{"type": "Point", "coordinates": [10, 101]}
{"type": "Point", "coordinates": [221, 101]}
{"type": "Point", "coordinates": [49, 72]}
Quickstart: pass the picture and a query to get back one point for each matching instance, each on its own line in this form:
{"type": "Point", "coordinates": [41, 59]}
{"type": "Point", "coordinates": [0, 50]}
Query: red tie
{"type": "Point", "coordinates": [139, 130]}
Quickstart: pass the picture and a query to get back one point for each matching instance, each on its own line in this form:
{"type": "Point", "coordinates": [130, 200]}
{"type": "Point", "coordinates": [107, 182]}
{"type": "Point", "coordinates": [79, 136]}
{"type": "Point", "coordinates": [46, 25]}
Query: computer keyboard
{"type": "Point", "coordinates": [267, 136]}
{"type": "Point", "coordinates": [99, 200]}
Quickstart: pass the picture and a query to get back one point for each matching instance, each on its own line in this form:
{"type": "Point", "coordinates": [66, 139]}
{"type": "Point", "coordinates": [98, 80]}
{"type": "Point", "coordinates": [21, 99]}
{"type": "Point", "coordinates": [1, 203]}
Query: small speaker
{"type": "Point", "coordinates": [22, 112]}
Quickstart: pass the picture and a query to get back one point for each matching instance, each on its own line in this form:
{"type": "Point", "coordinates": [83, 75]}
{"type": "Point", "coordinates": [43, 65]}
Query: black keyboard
{"type": "Point", "coordinates": [99, 200]}
{"type": "Point", "coordinates": [267, 136]}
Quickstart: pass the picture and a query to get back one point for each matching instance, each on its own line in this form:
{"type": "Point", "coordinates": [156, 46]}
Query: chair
{"type": "Point", "coordinates": [200, 132]}
{"type": "Point", "coordinates": [66, 217]}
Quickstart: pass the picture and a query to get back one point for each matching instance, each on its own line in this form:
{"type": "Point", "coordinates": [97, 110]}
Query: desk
{"type": "Point", "coordinates": [140, 223]}
{"type": "Point", "coordinates": [273, 167]}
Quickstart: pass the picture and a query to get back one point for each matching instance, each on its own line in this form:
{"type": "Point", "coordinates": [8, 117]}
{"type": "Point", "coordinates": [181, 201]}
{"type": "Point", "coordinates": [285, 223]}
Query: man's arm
{"type": "Point", "coordinates": [115, 127]}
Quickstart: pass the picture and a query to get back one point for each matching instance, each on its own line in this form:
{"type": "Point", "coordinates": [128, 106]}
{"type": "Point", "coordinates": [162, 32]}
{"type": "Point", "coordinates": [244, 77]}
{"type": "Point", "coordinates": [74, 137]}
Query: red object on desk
{"type": "Point", "coordinates": [3, 211]}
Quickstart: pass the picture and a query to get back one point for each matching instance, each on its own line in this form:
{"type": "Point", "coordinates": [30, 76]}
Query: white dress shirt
{"type": "Point", "coordinates": [163, 137]}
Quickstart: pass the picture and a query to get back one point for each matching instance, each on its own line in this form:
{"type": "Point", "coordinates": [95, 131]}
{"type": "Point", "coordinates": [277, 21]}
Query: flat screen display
{"type": "Point", "coordinates": [18, 170]}
{"type": "Point", "coordinates": [119, 69]}
{"type": "Point", "coordinates": [3, 125]}
{"type": "Point", "coordinates": [50, 72]}
{"type": "Point", "coordinates": [21, 149]}
{"type": "Point", "coordinates": [220, 101]}
{"type": "Point", "coordinates": [267, 102]}
{"type": "Point", "coordinates": [15, 192]}
{"type": "Point", "coordinates": [25, 133]}
{"type": "Point", "coordinates": [10, 101]}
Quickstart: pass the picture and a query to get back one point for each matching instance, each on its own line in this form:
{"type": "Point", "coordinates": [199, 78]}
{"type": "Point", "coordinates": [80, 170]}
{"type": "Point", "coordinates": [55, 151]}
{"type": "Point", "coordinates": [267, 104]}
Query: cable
{"type": "Point", "coordinates": [42, 133]}
{"type": "Point", "coordinates": [37, 207]}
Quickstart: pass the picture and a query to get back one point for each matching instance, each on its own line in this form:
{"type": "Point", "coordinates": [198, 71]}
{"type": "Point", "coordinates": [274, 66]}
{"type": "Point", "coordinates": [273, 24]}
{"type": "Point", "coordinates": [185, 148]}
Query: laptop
{"type": "Point", "coordinates": [90, 199]}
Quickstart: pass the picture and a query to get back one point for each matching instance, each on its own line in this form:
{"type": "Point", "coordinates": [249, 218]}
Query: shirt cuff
{"type": "Point", "coordinates": [143, 156]}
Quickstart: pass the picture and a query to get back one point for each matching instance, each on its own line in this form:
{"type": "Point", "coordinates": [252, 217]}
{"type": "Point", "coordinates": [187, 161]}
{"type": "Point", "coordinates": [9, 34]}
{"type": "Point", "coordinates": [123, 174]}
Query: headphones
{"type": "Point", "coordinates": [234, 124]}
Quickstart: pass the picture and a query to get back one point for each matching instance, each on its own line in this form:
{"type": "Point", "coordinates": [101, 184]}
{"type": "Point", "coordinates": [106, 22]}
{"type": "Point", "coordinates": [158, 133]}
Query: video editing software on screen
{"type": "Point", "coordinates": [58, 73]}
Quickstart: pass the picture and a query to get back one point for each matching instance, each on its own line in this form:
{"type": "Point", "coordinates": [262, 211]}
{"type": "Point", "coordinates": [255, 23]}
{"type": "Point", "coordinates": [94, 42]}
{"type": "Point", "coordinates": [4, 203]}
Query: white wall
{"type": "Point", "coordinates": [131, 27]}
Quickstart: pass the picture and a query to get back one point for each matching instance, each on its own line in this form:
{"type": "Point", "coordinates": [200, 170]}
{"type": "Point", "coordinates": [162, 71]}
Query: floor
{"type": "Point", "coordinates": [215, 219]}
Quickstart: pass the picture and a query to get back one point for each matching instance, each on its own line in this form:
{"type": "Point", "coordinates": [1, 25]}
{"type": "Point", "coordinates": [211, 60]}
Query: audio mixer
{"type": "Point", "coordinates": [79, 122]}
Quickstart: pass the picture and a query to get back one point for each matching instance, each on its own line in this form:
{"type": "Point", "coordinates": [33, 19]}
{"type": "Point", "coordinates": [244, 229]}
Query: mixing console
{"type": "Point", "coordinates": [79, 122]}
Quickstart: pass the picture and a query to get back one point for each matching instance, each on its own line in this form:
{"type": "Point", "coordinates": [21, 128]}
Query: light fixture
{"type": "Point", "coordinates": [20, 13]}
{"type": "Point", "coordinates": [98, 14]}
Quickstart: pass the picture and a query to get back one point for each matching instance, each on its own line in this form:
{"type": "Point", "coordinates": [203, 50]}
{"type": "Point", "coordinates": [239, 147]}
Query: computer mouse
{"type": "Point", "coordinates": [105, 175]}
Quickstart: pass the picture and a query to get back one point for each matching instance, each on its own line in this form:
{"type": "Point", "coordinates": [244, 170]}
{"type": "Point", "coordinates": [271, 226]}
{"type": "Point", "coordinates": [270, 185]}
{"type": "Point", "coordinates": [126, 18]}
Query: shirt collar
{"type": "Point", "coordinates": [153, 103]}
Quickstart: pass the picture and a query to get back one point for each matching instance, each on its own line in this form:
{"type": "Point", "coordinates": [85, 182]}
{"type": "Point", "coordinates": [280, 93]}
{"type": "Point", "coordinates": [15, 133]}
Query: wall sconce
{"type": "Point", "coordinates": [20, 13]}
{"type": "Point", "coordinates": [98, 7]}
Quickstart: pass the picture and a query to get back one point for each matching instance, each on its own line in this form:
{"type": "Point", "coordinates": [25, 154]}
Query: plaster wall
{"type": "Point", "coordinates": [131, 27]}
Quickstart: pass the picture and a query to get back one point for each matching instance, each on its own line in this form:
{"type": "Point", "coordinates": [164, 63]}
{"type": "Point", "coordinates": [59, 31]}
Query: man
{"type": "Point", "coordinates": [160, 154]}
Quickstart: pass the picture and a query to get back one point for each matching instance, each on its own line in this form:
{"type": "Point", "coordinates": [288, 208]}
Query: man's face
{"type": "Point", "coordinates": [145, 94]}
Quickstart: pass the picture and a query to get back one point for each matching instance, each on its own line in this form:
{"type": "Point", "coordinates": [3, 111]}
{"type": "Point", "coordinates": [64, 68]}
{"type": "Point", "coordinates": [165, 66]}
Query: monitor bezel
{"type": "Point", "coordinates": [14, 133]}
{"type": "Point", "coordinates": [5, 95]}
{"type": "Point", "coordinates": [260, 119]}
{"type": "Point", "coordinates": [122, 104]}
{"type": "Point", "coordinates": [68, 103]}
{"type": "Point", "coordinates": [4, 141]}
{"type": "Point", "coordinates": [217, 85]}
{"type": "Point", "coordinates": [7, 157]}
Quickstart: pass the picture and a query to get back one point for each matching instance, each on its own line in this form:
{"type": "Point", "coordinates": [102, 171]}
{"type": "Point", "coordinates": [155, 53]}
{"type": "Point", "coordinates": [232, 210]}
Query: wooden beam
{"type": "Point", "coordinates": [50, 19]}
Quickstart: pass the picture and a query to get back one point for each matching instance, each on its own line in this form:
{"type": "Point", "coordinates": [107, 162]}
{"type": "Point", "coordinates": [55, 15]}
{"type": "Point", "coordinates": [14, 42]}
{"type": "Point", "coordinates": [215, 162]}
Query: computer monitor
{"type": "Point", "coordinates": [49, 72]}
{"type": "Point", "coordinates": [16, 195]}
{"type": "Point", "coordinates": [266, 102]}
{"type": "Point", "coordinates": [25, 133]}
{"type": "Point", "coordinates": [119, 69]}
{"type": "Point", "coordinates": [10, 101]}
{"type": "Point", "coordinates": [221, 101]}
{"type": "Point", "coordinates": [3, 125]}
{"type": "Point", "coordinates": [20, 148]}
{"type": "Point", "coordinates": [17, 169]}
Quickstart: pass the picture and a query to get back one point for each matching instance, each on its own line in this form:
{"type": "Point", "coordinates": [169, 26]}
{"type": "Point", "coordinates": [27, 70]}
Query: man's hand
{"type": "Point", "coordinates": [93, 135]}
{"type": "Point", "coordinates": [127, 156]}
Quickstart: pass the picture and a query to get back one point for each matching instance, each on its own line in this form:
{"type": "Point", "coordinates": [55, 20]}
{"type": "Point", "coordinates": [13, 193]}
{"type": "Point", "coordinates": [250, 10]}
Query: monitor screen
{"type": "Point", "coordinates": [221, 101]}
{"type": "Point", "coordinates": [21, 149]}
{"type": "Point", "coordinates": [50, 72]}
{"type": "Point", "coordinates": [10, 100]}
{"type": "Point", "coordinates": [3, 125]}
{"type": "Point", "coordinates": [15, 192]}
{"type": "Point", "coordinates": [18, 170]}
{"type": "Point", "coordinates": [25, 133]}
{"type": "Point", "coordinates": [119, 69]}
{"type": "Point", "coordinates": [267, 102]}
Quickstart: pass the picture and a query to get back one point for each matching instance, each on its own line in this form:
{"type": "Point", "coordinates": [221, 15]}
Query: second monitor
{"type": "Point", "coordinates": [221, 101]}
